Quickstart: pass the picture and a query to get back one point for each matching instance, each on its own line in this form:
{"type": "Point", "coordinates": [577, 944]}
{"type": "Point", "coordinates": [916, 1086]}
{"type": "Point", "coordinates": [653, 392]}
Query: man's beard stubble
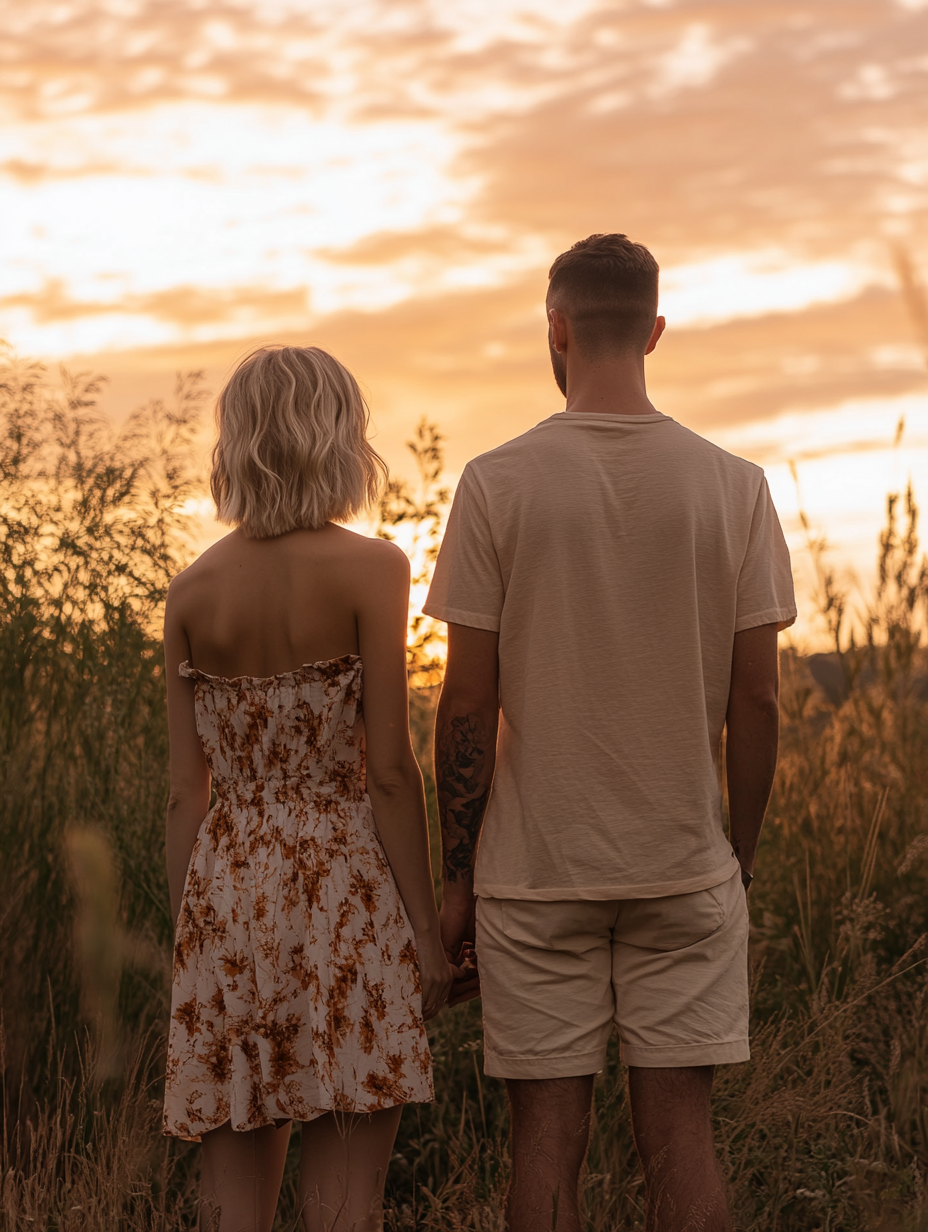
{"type": "Point", "coordinates": [559, 365]}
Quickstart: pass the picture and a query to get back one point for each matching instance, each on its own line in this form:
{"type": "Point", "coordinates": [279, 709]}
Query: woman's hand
{"type": "Point", "coordinates": [435, 974]}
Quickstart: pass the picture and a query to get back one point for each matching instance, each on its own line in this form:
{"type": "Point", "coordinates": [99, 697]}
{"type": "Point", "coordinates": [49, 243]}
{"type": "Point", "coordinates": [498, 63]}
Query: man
{"type": "Point", "coordinates": [613, 586]}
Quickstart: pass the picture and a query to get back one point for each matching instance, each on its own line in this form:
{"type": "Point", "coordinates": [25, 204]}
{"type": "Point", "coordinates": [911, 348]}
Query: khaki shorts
{"type": "Point", "coordinates": [671, 973]}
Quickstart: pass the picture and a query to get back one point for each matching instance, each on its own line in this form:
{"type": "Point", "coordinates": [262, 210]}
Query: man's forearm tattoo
{"type": "Point", "coordinates": [464, 772]}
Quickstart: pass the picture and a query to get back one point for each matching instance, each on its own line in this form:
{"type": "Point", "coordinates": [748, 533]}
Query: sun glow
{"type": "Point", "coordinates": [744, 284]}
{"type": "Point", "coordinates": [238, 210]}
{"type": "Point", "coordinates": [393, 177]}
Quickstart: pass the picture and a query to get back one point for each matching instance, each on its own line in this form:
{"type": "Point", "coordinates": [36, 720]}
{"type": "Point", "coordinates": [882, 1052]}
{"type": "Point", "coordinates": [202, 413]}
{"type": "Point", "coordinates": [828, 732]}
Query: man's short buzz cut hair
{"type": "Point", "coordinates": [606, 286]}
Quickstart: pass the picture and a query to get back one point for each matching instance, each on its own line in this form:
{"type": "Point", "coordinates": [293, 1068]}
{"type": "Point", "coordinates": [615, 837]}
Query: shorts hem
{"type": "Point", "coordinates": [727, 1052]}
{"type": "Point", "coordinates": [572, 1065]}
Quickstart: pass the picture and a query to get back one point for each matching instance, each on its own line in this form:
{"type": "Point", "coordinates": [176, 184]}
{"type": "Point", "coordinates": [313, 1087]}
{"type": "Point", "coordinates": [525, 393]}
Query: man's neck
{"type": "Point", "coordinates": [613, 387]}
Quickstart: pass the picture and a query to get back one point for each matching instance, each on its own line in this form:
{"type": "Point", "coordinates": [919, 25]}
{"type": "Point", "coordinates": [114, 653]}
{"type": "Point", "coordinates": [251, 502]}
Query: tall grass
{"type": "Point", "coordinates": [824, 1129]}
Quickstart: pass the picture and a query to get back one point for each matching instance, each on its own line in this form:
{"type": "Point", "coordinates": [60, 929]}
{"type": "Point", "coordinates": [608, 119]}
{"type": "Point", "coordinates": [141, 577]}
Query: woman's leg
{"type": "Point", "coordinates": [240, 1178]}
{"type": "Point", "coordinates": [343, 1167]}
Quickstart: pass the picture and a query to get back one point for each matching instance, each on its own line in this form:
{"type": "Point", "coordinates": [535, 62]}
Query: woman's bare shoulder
{"type": "Point", "coordinates": [202, 571]}
{"type": "Point", "coordinates": [379, 554]}
{"type": "Point", "coordinates": [333, 553]}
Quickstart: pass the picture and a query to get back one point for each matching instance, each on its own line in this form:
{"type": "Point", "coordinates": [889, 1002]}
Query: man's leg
{"type": "Point", "coordinates": [671, 1116]}
{"type": "Point", "coordinates": [681, 978]}
{"type": "Point", "coordinates": [550, 1133]}
{"type": "Point", "coordinates": [548, 1008]}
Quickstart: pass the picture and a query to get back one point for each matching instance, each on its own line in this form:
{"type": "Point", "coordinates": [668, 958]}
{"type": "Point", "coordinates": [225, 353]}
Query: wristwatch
{"type": "Point", "coordinates": [746, 878]}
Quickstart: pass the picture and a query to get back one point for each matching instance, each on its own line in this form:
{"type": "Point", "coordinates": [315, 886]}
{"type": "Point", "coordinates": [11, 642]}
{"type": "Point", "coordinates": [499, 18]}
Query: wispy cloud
{"type": "Point", "coordinates": [180, 172]}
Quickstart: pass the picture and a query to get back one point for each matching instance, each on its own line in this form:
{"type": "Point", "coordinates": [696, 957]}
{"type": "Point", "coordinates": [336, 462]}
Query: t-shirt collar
{"type": "Point", "coordinates": [606, 417]}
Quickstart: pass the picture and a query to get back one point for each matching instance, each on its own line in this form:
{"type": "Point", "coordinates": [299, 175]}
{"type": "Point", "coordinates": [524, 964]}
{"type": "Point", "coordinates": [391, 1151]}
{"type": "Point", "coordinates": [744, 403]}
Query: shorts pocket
{"type": "Point", "coordinates": [674, 922]}
{"type": "Point", "coordinates": [572, 926]}
{"type": "Point", "coordinates": [529, 924]}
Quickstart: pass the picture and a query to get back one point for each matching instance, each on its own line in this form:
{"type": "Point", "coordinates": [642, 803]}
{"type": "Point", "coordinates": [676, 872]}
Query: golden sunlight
{"type": "Point", "coordinates": [392, 180]}
{"type": "Point", "coordinates": [229, 800]}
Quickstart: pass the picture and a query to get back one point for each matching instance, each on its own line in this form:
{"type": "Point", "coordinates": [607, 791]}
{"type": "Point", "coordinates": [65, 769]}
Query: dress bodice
{"type": "Point", "coordinates": [296, 731]}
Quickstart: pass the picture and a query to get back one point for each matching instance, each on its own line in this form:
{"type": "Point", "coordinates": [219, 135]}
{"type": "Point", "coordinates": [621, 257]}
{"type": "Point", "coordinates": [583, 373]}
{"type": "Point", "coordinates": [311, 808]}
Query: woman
{"type": "Point", "coordinates": [307, 948]}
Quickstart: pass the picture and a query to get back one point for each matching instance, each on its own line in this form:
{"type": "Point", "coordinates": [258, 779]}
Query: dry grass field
{"type": "Point", "coordinates": [824, 1129]}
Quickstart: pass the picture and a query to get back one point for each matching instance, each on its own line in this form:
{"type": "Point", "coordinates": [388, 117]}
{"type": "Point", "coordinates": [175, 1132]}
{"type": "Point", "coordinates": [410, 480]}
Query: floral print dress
{"type": "Point", "coordinates": [296, 989]}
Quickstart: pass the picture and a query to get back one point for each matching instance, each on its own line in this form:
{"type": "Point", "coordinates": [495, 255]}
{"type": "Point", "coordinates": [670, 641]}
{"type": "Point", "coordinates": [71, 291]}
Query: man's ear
{"type": "Point", "coordinates": [655, 335]}
{"type": "Point", "coordinates": [557, 329]}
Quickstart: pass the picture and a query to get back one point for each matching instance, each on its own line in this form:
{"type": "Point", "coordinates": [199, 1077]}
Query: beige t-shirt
{"type": "Point", "coordinates": [617, 556]}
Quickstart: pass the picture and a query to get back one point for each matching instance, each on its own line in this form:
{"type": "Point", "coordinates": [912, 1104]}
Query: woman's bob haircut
{"type": "Point", "coordinates": [292, 451]}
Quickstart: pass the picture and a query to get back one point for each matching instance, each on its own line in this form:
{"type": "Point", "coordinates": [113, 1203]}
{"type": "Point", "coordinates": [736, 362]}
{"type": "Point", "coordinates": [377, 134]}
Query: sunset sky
{"type": "Point", "coordinates": [390, 179]}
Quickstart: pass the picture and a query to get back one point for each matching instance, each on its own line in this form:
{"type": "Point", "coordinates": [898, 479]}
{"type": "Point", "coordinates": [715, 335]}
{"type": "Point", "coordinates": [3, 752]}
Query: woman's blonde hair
{"type": "Point", "coordinates": [292, 449]}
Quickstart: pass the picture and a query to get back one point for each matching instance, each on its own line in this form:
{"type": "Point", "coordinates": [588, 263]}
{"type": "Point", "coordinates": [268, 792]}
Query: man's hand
{"type": "Point", "coordinates": [458, 929]}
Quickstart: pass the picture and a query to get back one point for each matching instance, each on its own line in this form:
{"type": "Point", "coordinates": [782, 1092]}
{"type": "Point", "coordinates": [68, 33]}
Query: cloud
{"type": "Point", "coordinates": [51, 321]}
{"type": "Point", "coordinates": [769, 150]}
{"type": "Point", "coordinates": [695, 59]}
{"type": "Point", "coordinates": [179, 305]}
{"type": "Point", "coordinates": [392, 178]}
{"type": "Point", "coordinates": [71, 56]}
{"type": "Point", "coordinates": [753, 369]}
{"type": "Point", "coordinates": [695, 125]}
{"type": "Point", "coordinates": [27, 172]}
{"type": "Point", "coordinates": [745, 284]}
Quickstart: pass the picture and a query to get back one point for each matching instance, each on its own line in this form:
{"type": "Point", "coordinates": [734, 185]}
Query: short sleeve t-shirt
{"type": "Point", "coordinates": [617, 556]}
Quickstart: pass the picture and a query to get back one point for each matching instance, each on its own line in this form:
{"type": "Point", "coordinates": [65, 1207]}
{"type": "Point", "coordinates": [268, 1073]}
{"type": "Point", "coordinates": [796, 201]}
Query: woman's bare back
{"type": "Point", "coordinates": [259, 607]}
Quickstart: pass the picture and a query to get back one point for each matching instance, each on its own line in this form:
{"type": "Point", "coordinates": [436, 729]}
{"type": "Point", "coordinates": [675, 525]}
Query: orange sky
{"type": "Point", "coordinates": [391, 178]}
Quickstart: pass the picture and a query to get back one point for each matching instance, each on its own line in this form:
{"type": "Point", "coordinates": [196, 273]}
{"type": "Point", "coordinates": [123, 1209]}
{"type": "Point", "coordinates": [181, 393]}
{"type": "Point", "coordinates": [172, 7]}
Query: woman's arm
{"type": "Point", "coordinates": [394, 782]}
{"type": "Point", "coordinates": [188, 802]}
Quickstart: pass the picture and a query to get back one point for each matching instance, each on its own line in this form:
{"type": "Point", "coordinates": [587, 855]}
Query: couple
{"type": "Point", "coordinates": [613, 586]}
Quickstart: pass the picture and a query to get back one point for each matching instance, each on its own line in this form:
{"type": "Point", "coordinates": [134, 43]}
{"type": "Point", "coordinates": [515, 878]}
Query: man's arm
{"type": "Point", "coordinates": [465, 758]}
{"type": "Point", "coordinates": [752, 726]}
